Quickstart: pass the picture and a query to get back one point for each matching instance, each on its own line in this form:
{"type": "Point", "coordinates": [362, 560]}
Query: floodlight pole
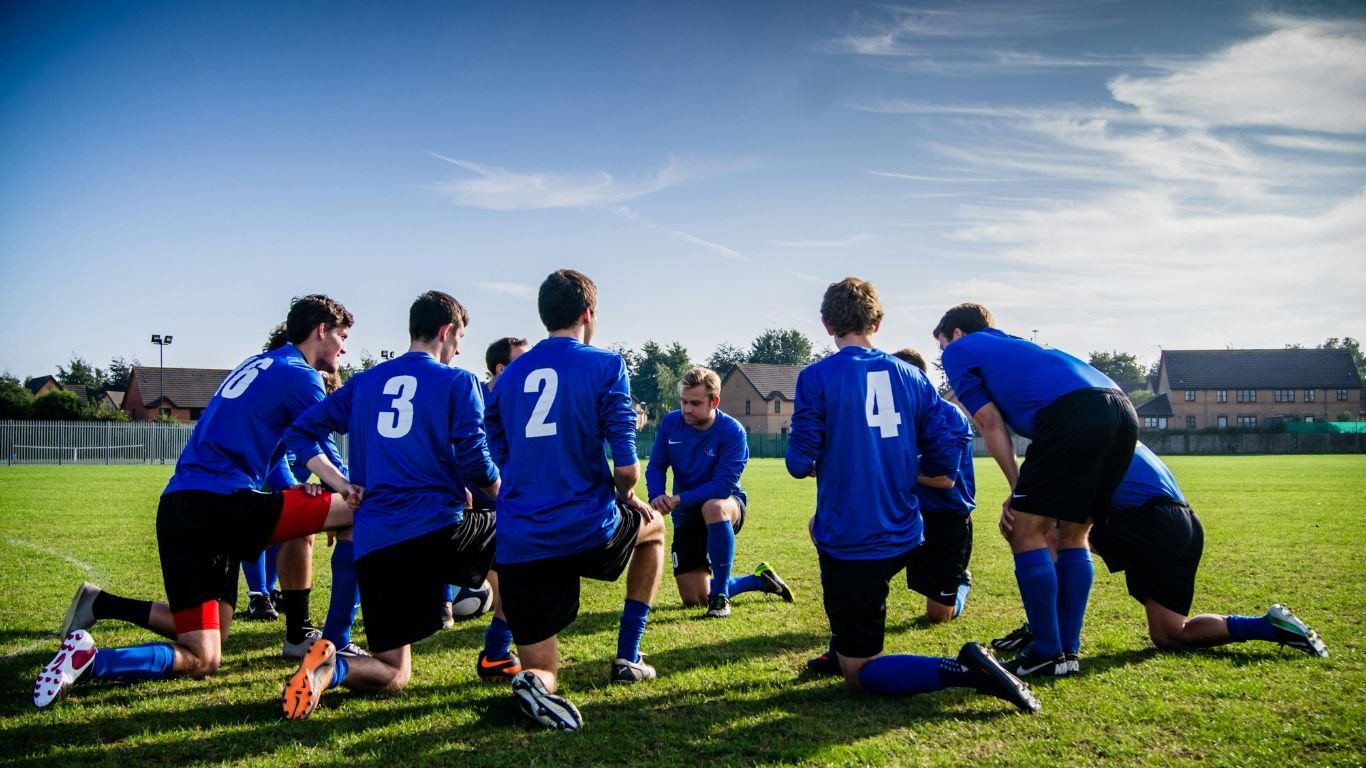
{"type": "Point", "coordinates": [161, 342]}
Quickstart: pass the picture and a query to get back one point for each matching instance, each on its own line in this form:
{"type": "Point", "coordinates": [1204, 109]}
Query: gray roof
{"type": "Point", "coordinates": [1158, 406]}
{"type": "Point", "coordinates": [185, 387]}
{"type": "Point", "coordinates": [1260, 369]}
{"type": "Point", "coordinates": [770, 379]}
{"type": "Point", "coordinates": [36, 383]}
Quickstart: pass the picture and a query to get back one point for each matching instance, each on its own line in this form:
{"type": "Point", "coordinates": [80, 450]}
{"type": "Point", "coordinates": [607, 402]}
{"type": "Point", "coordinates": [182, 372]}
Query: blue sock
{"type": "Point", "coordinates": [498, 640]}
{"type": "Point", "coordinates": [1038, 581]}
{"type": "Point", "coordinates": [450, 593]}
{"type": "Point", "coordinates": [721, 550]}
{"type": "Point", "coordinates": [955, 675]}
{"type": "Point", "coordinates": [1075, 574]}
{"type": "Point", "coordinates": [152, 661]}
{"type": "Point", "coordinates": [1244, 628]}
{"type": "Point", "coordinates": [961, 601]}
{"type": "Point", "coordinates": [750, 583]}
{"type": "Point", "coordinates": [900, 675]}
{"type": "Point", "coordinates": [339, 672]}
{"type": "Point", "coordinates": [254, 572]}
{"type": "Point", "coordinates": [272, 567]}
{"type": "Point", "coordinates": [633, 618]}
{"type": "Point", "coordinates": [345, 598]}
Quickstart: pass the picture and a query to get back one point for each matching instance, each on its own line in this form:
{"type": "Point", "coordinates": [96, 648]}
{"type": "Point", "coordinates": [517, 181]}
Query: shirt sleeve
{"type": "Point", "coordinates": [655, 479]}
{"type": "Point", "coordinates": [940, 446]}
{"type": "Point", "coordinates": [327, 415]}
{"type": "Point", "coordinates": [967, 383]}
{"type": "Point", "coordinates": [467, 433]}
{"type": "Point", "coordinates": [617, 418]}
{"type": "Point", "coordinates": [732, 453]}
{"type": "Point", "coordinates": [280, 476]}
{"type": "Point", "coordinates": [806, 433]}
{"type": "Point", "coordinates": [493, 426]}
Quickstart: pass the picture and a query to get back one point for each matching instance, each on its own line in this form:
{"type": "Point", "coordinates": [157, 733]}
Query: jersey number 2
{"type": "Point", "coordinates": [397, 422]}
{"type": "Point", "coordinates": [880, 406]}
{"type": "Point", "coordinates": [547, 382]}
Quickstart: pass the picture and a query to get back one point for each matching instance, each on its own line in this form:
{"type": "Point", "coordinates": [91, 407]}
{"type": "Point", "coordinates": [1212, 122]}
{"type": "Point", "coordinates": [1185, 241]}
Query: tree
{"type": "Point", "coordinates": [781, 347]}
{"type": "Point", "coordinates": [630, 357]}
{"type": "Point", "coordinates": [59, 405]}
{"type": "Point", "coordinates": [725, 358]}
{"type": "Point", "coordinates": [1351, 345]}
{"type": "Point", "coordinates": [78, 371]}
{"type": "Point", "coordinates": [657, 371]}
{"type": "Point", "coordinates": [15, 399]}
{"type": "Point", "coordinates": [1122, 368]}
{"type": "Point", "coordinates": [118, 375]}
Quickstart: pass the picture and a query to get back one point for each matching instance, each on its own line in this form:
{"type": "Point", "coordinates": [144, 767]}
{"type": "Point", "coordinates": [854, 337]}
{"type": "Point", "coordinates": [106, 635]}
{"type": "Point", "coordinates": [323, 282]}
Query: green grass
{"type": "Point", "coordinates": [731, 692]}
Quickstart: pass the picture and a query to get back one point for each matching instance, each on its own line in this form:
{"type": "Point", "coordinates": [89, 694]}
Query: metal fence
{"type": "Point", "coordinates": [92, 442]}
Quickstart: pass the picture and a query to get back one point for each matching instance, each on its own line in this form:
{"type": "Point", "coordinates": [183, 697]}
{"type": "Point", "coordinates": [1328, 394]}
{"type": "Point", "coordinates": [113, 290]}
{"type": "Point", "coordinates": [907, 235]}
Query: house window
{"type": "Point", "coordinates": [777, 405]}
{"type": "Point", "coordinates": [1223, 422]}
{"type": "Point", "coordinates": [1247, 396]}
{"type": "Point", "coordinates": [1190, 422]}
{"type": "Point", "coordinates": [1342, 395]}
{"type": "Point", "coordinates": [746, 407]}
{"type": "Point", "coordinates": [1247, 421]}
{"type": "Point", "coordinates": [1190, 395]}
{"type": "Point", "coordinates": [1285, 395]}
{"type": "Point", "coordinates": [1221, 396]}
{"type": "Point", "coordinates": [1308, 395]}
{"type": "Point", "coordinates": [1155, 422]}
{"type": "Point", "coordinates": [1308, 419]}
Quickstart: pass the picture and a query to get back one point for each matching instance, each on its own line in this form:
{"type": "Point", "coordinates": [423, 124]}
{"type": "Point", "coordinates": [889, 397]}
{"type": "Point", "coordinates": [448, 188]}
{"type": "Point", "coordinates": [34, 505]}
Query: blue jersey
{"type": "Point", "coordinates": [1019, 376]}
{"type": "Point", "coordinates": [961, 498]}
{"type": "Point", "coordinates": [234, 443]}
{"type": "Point", "coordinates": [481, 499]}
{"type": "Point", "coordinates": [553, 412]}
{"type": "Point", "coordinates": [1147, 479]}
{"type": "Point", "coordinates": [707, 463]}
{"type": "Point", "coordinates": [416, 438]}
{"type": "Point", "coordinates": [290, 471]}
{"type": "Point", "coordinates": [868, 423]}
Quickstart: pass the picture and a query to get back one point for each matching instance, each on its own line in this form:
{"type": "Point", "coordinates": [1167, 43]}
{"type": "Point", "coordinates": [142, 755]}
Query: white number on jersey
{"type": "Point", "coordinates": [547, 382]}
{"type": "Point", "coordinates": [238, 381]}
{"type": "Point", "coordinates": [879, 406]}
{"type": "Point", "coordinates": [397, 422]}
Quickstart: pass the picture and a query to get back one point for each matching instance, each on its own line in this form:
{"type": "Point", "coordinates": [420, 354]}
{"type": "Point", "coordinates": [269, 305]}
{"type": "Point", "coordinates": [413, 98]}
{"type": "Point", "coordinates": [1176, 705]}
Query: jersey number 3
{"type": "Point", "coordinates": [396, 423]}
{"type": "Point", "coordinates": [547, 382]}
{"type": "Point", "coordinates": [880, 406]}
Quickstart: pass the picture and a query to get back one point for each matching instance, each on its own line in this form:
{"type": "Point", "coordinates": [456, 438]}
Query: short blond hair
{"type": "Point", "coordinates": [701, 377]}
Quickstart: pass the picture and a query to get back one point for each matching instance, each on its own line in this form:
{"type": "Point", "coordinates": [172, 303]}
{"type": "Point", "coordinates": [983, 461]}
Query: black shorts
{"type": "Point", "coordinates": [203, 536]}
{"type": "Point", "coordinates": [541, 597]}
{"type": "Point", "coordinates": [1158, 547]}
{"type": "Point", "coordinates": [855, 595]}
{"type": "Point", "coordinates": [940, 564]}
{"type": "Point", "coordinates": [689, 544]}
{"type": "Point", "coordinates": [403, 586]}
{"type": "Point", "coordinates": [1084, 442]}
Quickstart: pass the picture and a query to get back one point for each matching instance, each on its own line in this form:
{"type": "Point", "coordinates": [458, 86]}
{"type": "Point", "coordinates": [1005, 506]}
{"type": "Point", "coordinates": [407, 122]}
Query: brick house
{"type": "Point", "coordinates": [41, 385]}
{"type": "Point", "coordinates": [1197, 389]}
{"type": "Point", "coordinates": [761, 396]}
{"type": "Point", "coordinates": [187, 391]}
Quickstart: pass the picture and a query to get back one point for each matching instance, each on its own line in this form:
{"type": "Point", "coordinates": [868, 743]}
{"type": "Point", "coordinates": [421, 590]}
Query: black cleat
{"type": "Point", "coordinates": [989, 676]}
{"type": "Point", "coordinates": [824, 664]}
{"type": "Point", "coordinates": [259, 608]}
{"type": "Point", "coordinates": [1024, 666]}
{"type": "Point", "coordinates": [718, 607]}
{"type": "Point", "coordinates": [1017, 640]}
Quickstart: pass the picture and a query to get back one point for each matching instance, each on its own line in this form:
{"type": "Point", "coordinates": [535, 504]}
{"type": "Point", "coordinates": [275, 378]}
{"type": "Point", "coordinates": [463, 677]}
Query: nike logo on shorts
{"type": "Point", "coordinates": [675, 442]}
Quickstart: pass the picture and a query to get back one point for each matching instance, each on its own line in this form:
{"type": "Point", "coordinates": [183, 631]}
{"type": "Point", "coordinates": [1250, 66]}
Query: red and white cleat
{"type": "Point", "coordinates": [68, 666]}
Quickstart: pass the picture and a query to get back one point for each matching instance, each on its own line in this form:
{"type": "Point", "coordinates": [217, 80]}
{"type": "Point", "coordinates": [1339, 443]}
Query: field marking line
{"type": "Point", "coordinates": [84, 567]}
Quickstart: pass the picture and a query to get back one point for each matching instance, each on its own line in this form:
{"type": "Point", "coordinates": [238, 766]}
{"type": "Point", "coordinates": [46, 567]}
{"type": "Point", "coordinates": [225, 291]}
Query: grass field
{"type": "Point", "coordinates": [1288, 529]}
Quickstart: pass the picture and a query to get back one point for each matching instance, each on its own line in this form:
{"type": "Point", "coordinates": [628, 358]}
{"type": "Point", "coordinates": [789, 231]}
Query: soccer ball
{"type": "Point", "coordinates": [472, 602]}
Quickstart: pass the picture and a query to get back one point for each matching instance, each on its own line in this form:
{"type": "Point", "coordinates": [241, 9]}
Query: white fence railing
{"type": "Point", "coordinates": [96, 442]}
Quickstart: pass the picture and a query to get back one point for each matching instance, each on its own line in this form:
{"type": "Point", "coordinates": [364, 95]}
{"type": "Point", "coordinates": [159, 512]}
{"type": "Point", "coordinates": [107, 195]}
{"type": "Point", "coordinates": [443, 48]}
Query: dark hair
{"type": "Point", "coordinates": [500, 352]}
{"type": "Point", "coordinates": [563, 298]}
{"type": "Point", "coordinates": [968, 318]}
{"type": "Point", "coordinates": [911, 356]}
{"type": "Point", "coordinates": [308, 312]}
{"type": "Point", "coordinates": [432, 310]}
{"type": "Point", "coordinates": [276, 339]}
{"type": "Point", "coordinates": [851, 306]}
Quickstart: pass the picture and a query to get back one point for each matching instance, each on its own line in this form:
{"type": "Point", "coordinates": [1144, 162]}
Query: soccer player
{"type": "Point", "coordinates": [1083, 430]}
{"type": "Point", "coordinates": [416, 439]}
{"type": "Point", "coordinates": [211, 516]}
{"type": "Point", "coordinates": [707, 449]}
{"type": "Point", "coordinates": [866, 425]}
{"type": "Point", "coordinates": [1151, 534]}
{"type": "Point", "coordinates": [563, 514]}
{"type": "Point", "coordinates": [939, 570]}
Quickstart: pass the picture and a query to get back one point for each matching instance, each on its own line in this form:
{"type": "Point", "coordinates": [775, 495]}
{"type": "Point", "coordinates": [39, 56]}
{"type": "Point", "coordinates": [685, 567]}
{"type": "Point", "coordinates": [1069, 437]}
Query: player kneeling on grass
{"type": "Point", "coordinates": [707, 449]}
{"type": "Point", "coordinates": [1151, 534]}
{"type": "Point", "coordinates": [866, 425]}
{"type": "Point", "coordinates": [563, 514]}
{"type": "Point", "coordinates": [417, 435]}
{"type": "Point", "coordinates": [211, 516]}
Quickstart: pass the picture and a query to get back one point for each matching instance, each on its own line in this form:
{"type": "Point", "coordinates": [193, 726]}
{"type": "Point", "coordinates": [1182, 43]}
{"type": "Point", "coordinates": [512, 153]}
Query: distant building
{"type": "Point", "coordinates": [41, 385]}
{"type": "Point", "coordinates": [187, 391]}
{"type": "Point", "coordinates": [112, 398]}
{"type": "Point", "coordinates": [761, 396]}
{"type": "Point", "coordinates": [1197, 389]}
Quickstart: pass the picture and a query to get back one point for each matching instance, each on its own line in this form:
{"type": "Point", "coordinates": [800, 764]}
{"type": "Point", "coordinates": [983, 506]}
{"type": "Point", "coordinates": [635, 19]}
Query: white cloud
{"type": "Point", "coordinates": [716, 248]}
{"type": "Point", "coordinates": [844, 242]}
{"type": "Point", "coordinates": [516, 290]}
{"type": "Point", "coordinates": [500, 189]}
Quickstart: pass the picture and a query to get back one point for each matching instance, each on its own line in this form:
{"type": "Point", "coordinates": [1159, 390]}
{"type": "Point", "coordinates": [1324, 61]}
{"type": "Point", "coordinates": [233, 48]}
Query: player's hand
{"type": "Point", "coordinates": [331, 538]}
{"type": "Point", "coordinates": [310, 489]}
{"type": "Point", "coordinates": [646, 513]}
{"type": "Point", "coordinates": [353, 495]}
{"type": "Point", "coordinates": [1007, 523]}
{"type": "Point", "coordinates": [661, 504]}
{"type": "Point", "coordinates": [469, 499]}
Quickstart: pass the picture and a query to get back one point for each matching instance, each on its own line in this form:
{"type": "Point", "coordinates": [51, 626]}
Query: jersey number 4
{"type": "Point", "coordinates": [547, 382]}
{"type": "Point", "coordinates": [396, 422]}
{"type": "Point", "coordinates": [879, 406]}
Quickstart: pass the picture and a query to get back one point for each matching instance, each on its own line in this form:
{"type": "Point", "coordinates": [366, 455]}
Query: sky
{"type": "Point", "coordinates": [1124, 176]}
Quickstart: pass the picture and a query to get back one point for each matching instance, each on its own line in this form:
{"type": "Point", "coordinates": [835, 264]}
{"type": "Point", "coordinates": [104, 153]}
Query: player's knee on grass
{"type": "Point", "coordinates": [1165, 627]}
{"type": "Point", "coordinates": [694, 587]}
{"type": "Point", "coordinates": [850, 668]}
{"type": "Point", "coordinates": [938, 612]}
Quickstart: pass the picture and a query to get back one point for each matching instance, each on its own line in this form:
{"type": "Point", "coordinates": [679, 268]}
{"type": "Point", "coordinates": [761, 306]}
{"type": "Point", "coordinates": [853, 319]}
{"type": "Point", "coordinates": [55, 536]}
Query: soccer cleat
{"type": "Point", "coordinates": [824, 664]}
{"type": "Point", "coordinates": [447, 615]}
{"type": "Point", "coordinates": [539, 704]}
{"type": "Point", "coordinates": [773, 583]}
{"type": "Point", "coordinates": [718, 607]}
{"type": "Point", "coordinates": [1073, 664]}
{"type": "Point", "coordinates": [80, 614]}
{"type": "Point", "coordinates": [300, 649]}
{"type": "Point", "coordinates": [1023, 666]}
{"type": "Point", "coordinates": [1016, 640]}
{"type": "Point", "coordinates": [497, 670]}
{"type": "Point", "coordinates": [624, 671]}
{"type": "Point", "coordinates": [305, 689]}
{"type": "Point", "coordinates": [1295, 633]}
{"type": "Point", "coordinates": [259, 608]}
{"type": "Point", "coordinates": [70, 664]}
{"type": "Point", "coordinates": [351, 651]}
{"type": "Point", "coordinates": [989, 676]}
{"type": "Point", "coordinates": [277, 600]}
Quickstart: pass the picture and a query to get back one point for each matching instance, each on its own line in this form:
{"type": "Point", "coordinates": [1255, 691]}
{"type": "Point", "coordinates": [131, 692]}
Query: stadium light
{"type": "Point", "coordinates": [386, 354]}
{"type": "Point", "coordinates": [161, 342]}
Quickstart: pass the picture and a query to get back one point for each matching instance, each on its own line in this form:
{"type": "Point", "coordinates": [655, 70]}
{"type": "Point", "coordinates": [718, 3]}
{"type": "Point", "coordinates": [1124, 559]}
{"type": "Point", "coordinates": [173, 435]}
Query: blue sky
{"type": "Point", "coordinates": [1108, 175]}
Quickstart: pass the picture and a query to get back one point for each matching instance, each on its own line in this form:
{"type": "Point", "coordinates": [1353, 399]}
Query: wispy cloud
{"type": "Point", "coordinates": [500, 189]}
{"type": "Point", "coordinates": [716, 248]}
{"type": "Point", "coordinates": [843, 242]}
{"type": "Point", "coordinates": [516, 290]}
{"type": "Point", "coordinates": [806, 277]}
